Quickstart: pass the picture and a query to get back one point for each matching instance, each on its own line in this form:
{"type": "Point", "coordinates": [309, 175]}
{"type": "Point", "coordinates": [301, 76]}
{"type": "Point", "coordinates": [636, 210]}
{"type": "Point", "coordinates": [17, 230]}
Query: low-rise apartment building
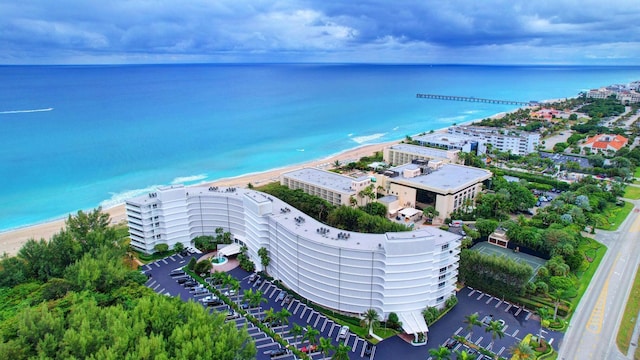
{"type": "Point", "coordinates": [506, 140]}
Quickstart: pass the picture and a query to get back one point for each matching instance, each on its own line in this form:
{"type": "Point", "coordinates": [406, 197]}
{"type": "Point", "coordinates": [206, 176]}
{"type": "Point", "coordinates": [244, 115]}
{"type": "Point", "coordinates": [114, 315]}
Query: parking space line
{"type": "Point", "coordinates": [290, 305]}
{"type": "Point", "coordinates": [302, 313]}
{"type": "Point", "coordinates": [315, 324]}
{"type": "Point", "coordinates": [490, 299]}
{"type": "Point", "coordinates": [165, 262]}
{"type": "Point", "coordinates": [296, 310]}
{"type": "Point", "coordinates": [508, 307]}
{"type": "Point", "coordinates": [161, 291]}
{"type": "Point", "coordinates": [528, 315]}
{"type": "Point", "coordinates": [310, 316]}
{"type": "Point", "coordinates": [518, 312]}
{"type": "Point", "coordinates": [355, 344]}
{"type": "Point", "coordinates": [515, 332]}
{"type": "Point", "coordinates": [155, 287]}
{"type": "Point", "coordinates": [480, 297]}
{"type": "Point", "coordinates": [181, 257]}
{"type": "Point", "coordinates": [458, 331]}
{"type": "Point", "coordinates": [505, 328]}
{"type": "Point", "coordinates": [156, 264]}
{"type": "Point", "coordinates": [479, 340]}
{"type": "Point", "coordinates": [498, 304]}
{"type": "Point", "coordinates": [152, 283]}
{"type": "Point", "coordinates": [332, 326]}
{"type": "Point", "coordinates": [501, 350]}
{"type": "Point", "coordinates": [172, 259]}
{"type": "Point", "coordinates": [324, 324]}
{"type": "Point", "coordinates": [265, 345]}
{"type": "Point", "coordinates": [472, 292]}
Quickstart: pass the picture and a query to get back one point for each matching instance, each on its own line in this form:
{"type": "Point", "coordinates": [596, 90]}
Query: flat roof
{"type": "Point", "coordinates": [421, 150]}
{"type": "Point", "coordinates": [324, 179]}
{"type": "Point", "coordinates": [448, 179]}
{"type": "Point", "coordinates": [449, 139]}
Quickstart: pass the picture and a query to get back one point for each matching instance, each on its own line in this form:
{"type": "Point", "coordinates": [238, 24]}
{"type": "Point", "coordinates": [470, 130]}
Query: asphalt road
{"type": "Point", "coordinates": [594, 327]}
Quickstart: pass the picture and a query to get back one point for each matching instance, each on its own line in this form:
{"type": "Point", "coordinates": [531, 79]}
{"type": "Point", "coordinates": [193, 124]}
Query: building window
{"type": "Point", "coordinates": [442, 277]}
{"type": "Point", "coordinates": [443, 270]}
{"type": "Point", "coordinates": [441, 285]}
{"type": "Point", "coordinates": [445, 247]}
{"type": "Point", "coordinates": [440, 299]}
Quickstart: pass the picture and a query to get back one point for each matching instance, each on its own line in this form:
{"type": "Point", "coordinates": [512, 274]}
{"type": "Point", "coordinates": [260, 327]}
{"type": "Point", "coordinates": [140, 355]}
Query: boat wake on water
{"type": "Point", "coordinates": [25, 111]}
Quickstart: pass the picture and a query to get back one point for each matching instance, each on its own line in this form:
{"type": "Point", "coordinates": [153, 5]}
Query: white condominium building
{"type": "Point", "coordinates": [335, 188]}
{"type": "Point", "coordinates": [516, 141]}
{"type": "Point", "coordinates": [404, 153]}
{"type": "Point", "coordinates": [347, 271]}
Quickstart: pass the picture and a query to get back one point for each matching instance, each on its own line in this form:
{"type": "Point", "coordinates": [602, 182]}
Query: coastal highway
{"type": "Point", "coordinates": [594, 327]}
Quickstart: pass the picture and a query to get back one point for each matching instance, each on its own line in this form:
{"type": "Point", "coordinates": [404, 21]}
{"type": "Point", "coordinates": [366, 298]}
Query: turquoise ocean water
{"type": "Point", "coordinates": [75, 137]}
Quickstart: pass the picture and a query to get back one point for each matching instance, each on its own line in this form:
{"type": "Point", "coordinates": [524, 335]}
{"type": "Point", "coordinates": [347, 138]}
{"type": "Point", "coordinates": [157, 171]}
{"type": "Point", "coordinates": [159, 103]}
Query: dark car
{"type": "Point", "coordinates": [276, 352]}
{"type": "Point", "coordinates": [244, 305]}
{"type": "Point", "coordinates": [176, 273]}
{"type": "Point", "coordinates": [450, 343]}
{"type": "Point", "coordinates": [213, 302]}
{"type": "Point", "coordinates": [182, 280]}
{"type": "Point", "coordinates": [368, 349]}
{"type": "Point", "coordinates": [190, 284]}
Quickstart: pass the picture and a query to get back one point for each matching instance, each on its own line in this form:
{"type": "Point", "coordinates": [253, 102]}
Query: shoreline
{"type": "Point", "coordinates": [12, 240]}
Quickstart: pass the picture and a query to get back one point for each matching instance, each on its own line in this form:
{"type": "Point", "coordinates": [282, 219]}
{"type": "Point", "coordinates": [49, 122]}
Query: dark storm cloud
{"type": "Point", "coordinates": [34, 31]}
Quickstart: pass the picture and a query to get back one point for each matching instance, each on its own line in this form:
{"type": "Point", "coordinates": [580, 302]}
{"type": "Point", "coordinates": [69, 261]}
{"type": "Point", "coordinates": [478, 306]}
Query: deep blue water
{"type": "Point", "coordinates": [118, 131]}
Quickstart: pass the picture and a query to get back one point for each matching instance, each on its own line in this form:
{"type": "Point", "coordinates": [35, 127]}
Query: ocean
{"type": "Point", "coordinates": [76, 137]}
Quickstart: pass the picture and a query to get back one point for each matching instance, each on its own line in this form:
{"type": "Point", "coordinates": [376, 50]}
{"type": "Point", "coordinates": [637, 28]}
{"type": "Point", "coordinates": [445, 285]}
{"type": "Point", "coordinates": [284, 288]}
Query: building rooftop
{"type": "Point", "coordinates": [421, 150]}
{"type": "Point", "coordinates": [324, 179]}
{"type": "Point", "coordinates": [448, 139]}
{"type": "Point", "coordinates": [449, 178]}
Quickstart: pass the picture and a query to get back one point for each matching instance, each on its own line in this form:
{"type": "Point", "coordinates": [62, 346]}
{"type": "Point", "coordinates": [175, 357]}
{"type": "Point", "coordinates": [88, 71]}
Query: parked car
{"type": "Point", "coordinates": [344, 332]}
{"type": "Point", "coordinates": [245, 305]}
{"type": "Point", "coordinates": [281, 296]}
{"type": "Point", "coordinates": [253, 277]}
{"type": "Point", "coordinates": [190, 284]}
{"type": "Point", "coordinates": [230, 292]}
{"type": "Point", "coordinates": [176, 272]}
{"type": "Point", "coordinates": [368, 349]}
{"type": "Point", "coordinates": [276, 352]}
{"type": "Point", "coordinates": [450, 343]}
{"type": "Point", "coordinates": [287, 299]}
{"type": "Point", "coordinates": [309, 348]}
{"type": "Point", "coordinates": [182, 280]}
{"type": "Point", "coordinates": [213, 302]}
{"type": "Point", "coordinates": [232, 314]}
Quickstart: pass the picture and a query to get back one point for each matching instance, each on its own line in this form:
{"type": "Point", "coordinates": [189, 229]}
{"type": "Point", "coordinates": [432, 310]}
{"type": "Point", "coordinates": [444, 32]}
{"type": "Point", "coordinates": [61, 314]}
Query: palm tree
{"type": "Point", "coordinates": [495, 328]}
{"type": "Point", "coordinates": [556, 296]}
{"type": "Point", "coordinates": [254, 299]}
{"type": "Point", "coordinates": [325, 346]}
{"type": "Point", "coordinates": [342, 352]}
{"type": "Point", "coordinates": [522, 351]}
{"type": "Point", "coordinates": [269, 315]}
{"type": "Point", "coordinates": [370, 319]}
{"type": "Point", "coordinates": [441, 353]}
{"type": "Point", "coordinates": [336, 164]}
{"type": "Point", "coordinates": [464, 355]}
{"type": "Point", "coordinates": [283, 316]}
{"type": "Point", "coordinates": [430, 212]}
{"type": "Point", "coordinates": [472, 321]}
{"type": "Point", "coordinates": [311, 335]}
{"type": "Point", "coordinates": [296, 331]}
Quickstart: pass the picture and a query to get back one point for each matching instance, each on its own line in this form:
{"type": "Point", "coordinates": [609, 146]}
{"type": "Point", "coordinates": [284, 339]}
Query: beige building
{"type": "Point", "coordinates": [447, 187]}
{"type": "Point", "coordinates": [404, 153]}
{"type": "Point", "coordinates": [335, 188]}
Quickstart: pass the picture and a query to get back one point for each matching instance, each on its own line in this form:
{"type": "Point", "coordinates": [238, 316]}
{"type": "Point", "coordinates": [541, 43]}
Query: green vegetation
{"type": "Point", "coordinates": [494, 274]}
{"type": "Point", "coordinates": [341, 217]}
{"type": "Point", "coordinates": [632, 192]}
{"type": "Point", "coordinates": [599, 108]}
{"type": "Point", "coordinates": [613, 216]}
{"type": "Point", "coordinates": [629, 317]}
{"type": "Point", "coordinates": [208, 243]}
{"type": "Point", "coordinates": [75, 297]}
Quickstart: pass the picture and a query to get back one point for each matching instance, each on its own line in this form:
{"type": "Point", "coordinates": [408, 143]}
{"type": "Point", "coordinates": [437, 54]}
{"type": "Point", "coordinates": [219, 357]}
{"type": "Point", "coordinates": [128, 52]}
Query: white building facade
{"type": "Point", "coordinates": [346, 271]}
{"type": "Point", "coordinates": [514, 141]}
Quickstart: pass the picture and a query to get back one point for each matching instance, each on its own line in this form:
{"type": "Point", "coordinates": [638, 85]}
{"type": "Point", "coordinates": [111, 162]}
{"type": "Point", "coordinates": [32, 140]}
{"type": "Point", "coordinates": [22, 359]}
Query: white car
{"type": "Point", "coordinates": [344, 331]}
{"type": "Point", "coordinates": [229, 293]}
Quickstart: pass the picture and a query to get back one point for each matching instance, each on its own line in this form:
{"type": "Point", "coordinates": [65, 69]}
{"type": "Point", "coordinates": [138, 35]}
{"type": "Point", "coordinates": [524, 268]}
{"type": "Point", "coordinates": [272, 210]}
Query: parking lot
{"type": "Point", "coordinates": [518, 321]}
{"type": "Point", "coordinates": [165, 278]}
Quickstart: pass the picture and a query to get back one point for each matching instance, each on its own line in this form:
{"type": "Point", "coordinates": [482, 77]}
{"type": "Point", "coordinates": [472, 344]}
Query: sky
{"type": "Point", "coordinates": [553, 32]}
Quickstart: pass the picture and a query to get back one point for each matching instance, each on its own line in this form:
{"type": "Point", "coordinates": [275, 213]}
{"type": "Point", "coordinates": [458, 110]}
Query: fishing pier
{"type": "Point", "coordinates": [475, 99]}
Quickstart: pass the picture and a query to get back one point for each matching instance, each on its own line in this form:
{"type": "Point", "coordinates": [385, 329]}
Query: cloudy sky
{"type": "Point", "coordinates": [362, 31]}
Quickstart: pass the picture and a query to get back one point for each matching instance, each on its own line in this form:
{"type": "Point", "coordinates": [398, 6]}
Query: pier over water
{"type": "Point", "coordinates": [475, 99]}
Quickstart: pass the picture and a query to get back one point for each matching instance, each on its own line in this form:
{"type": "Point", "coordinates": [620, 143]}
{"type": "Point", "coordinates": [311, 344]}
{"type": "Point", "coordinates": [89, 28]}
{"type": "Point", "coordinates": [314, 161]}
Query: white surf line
{"type": "Point", "coordinates": [25, 111]}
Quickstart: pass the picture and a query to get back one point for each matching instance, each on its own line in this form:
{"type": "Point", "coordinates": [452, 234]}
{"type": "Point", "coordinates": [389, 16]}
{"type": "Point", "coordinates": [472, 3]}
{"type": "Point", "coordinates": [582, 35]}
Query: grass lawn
{"type": "Point", "coordinates": [637, 172]}
{"type": "Point", "coordinates": [595, 252]}
{"type": "Point", "coordinates": [630, 316]}
{"type": "Point", "coordinates": [632, 192]}
{"type": "Point", "coordinates": [615, 215]}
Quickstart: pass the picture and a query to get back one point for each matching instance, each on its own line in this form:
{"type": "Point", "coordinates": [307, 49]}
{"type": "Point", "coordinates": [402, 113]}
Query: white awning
{"type": "Point", "coordinates": [409, 212]}
{"type": "Point", "coordinates": [413, 322]}
{"type": "Point", "coordinates": [231, 249]}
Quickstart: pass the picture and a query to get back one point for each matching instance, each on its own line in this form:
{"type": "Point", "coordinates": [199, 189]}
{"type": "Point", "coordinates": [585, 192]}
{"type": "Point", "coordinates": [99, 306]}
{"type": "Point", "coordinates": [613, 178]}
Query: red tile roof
{"type": "Point", "coordinates": [606, 142]}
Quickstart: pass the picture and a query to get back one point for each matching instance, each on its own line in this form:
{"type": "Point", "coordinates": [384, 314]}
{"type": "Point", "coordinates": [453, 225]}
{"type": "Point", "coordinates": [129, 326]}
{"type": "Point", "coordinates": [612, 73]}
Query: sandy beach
{"type": "Point", "coordinates": [11, 241]}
